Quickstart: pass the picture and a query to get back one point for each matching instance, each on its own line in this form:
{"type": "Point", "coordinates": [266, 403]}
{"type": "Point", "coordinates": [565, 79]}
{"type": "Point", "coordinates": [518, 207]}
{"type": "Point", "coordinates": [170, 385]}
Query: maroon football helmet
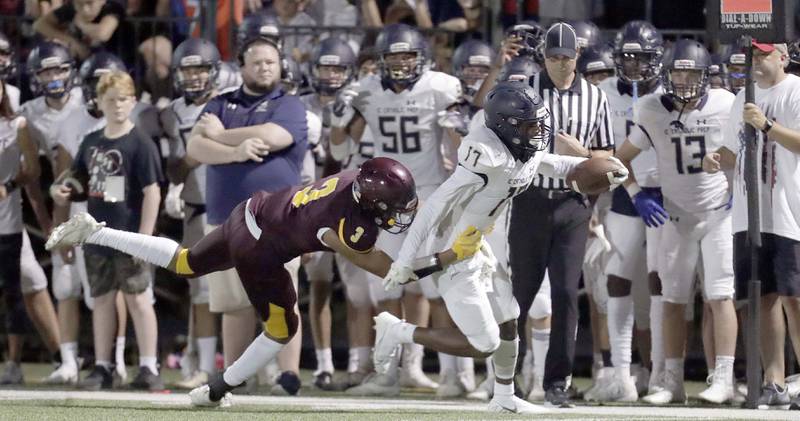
{"type": "Point", "coordinates": [385, 188]}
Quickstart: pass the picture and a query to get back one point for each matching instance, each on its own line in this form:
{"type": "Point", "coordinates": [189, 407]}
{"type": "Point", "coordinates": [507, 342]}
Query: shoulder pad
{"type": "Point", "coordinates": [480, 154]}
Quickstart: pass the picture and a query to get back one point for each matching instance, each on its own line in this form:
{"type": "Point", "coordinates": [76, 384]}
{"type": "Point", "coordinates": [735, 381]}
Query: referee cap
{"type": "Point", "coordinates": [561, 40]}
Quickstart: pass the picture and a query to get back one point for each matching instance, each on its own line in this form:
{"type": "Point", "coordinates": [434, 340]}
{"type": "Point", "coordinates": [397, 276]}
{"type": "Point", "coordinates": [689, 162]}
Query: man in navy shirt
{"type": "Point", "coordinates": [253, 139]}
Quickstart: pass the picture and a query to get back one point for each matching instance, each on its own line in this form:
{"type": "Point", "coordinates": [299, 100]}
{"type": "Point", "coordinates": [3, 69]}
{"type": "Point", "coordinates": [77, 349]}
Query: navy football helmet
{"type": "Point", "coordinates": [718, 73]}
{"type": "Point", "coordinates": [395, 39]}
{"type": "Point", "coordinates": [686, 71]}
{"type": "Point", "coordinates": [598, 58]}
{"type": "Point", "coordinates": [733, 59]}
{"type": "Point", "coordinates": [638, 50]}
{"type": "Point", "coordinates": [471, 62]}
{"type": "Point", "coordinates": [42, 60]}
{"type": "Point", "coordinates": [292, 77]}
{"type": "Point", "coordinates": [386, 189]}
{"type": "Point", "coordinates": [8, 64]}
{"type": "Point", "coordinates": [333, 66]}
{"type": "Point", "coordinates": [92, 68]}
{"type": "Point", "coordinates": [587, 33]}
{"type": "Point", "coordinates": [519, 68]}
{"type": "Point", "coordinates": [190, 60]}
{"type": "Point", "coordinates": [518, 116]}
{"type": "Point", "coordinates": [258, 26]}
{"type": "Point", "coordinates": [532, 35]}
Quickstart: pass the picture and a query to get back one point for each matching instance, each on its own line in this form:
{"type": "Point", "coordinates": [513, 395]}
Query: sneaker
{"type": "Point", "coordinates": [386, 345]}
{"type": "Point", "coordinates": [537, 390]}
{"type": "Point", "coordinates": [656, 383]}
{"type": "Point", "coordinates": [99, 378]}
{"type": "Point", "coordinates": [288, 384]}
{"type": "Point", "coordinates": [450, 387]}
{"type": "Point", "coordinates": [510, 404]}
{"type": "Point", "coordinates": [376, 385]}
{"type": "Point", "coordinates": [720, 391]}
{"type": "Point", "coordinates": [484, 391]}
{"type": "Point", "coordinates": [672, 392]}
{"type": "Point", "coordinates": [64, 374]}
{"type": "Point", "coordinates": [147, 380]}
{"type": "Point", "coordinates": [75, 231]}
{"type": "Point", "coordinates": [618, 389]}
{"type": "Point", "coordinates": [12, 374]}
{"type": "Point", "coordinates": [601, 378]}
{"type": "Point", "coordinates": [199, 397]}
{"type": "Point", "coordinates": [193, 380]}
{"type": "Point", "coordinates": [557, 397]}
{"type": "Point", "coordinates": [324, 381]}
{"type": "Point", "coordinates": [774, 397]}
{"type": "Point", "coordinates": [413, 377]}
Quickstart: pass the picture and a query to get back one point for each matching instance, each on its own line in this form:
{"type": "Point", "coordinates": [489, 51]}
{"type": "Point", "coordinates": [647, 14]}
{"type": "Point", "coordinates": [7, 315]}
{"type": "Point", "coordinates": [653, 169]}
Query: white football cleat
{"type": "Point", "coordinates": [199, 397]}
{"type": "Point", "coordinates": [451, 386]}
{"type": "Point", "coordinates": [617, 389]}
{"type": "Point", "coordinates": [510, 404]}
{"type": "Point", "coordinates": [793, 385]}
{"type": "Point", "coordinates": [73, 232]}
{"type": "Point", "coordinates": [193, 380]}
{"type": "Point", "coordinates": [386, 343]}
{"type": "Point", "coordinates": [601, 379]}
{"type": "Point", "coordinates": [656, 383]}
{"type": "Point", "coordinates": [720, 391]}
{"type": "Point", "coordinates": [672, 392]}
{"type": "Point", "coordinates": [413, 377]}
{"type": "Point", "coordinates": [537, 391]}
{"type": "Point", "coordinates": [484, 390]}
{"type": "Point", "coordinates": [64, 374]}
{"type": "Point", "coordinates": [376, 385]}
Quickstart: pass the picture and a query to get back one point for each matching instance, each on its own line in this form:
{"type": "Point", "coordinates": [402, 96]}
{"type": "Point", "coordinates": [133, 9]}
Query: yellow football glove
{"type": "Point", "coordinates": [467, 243]}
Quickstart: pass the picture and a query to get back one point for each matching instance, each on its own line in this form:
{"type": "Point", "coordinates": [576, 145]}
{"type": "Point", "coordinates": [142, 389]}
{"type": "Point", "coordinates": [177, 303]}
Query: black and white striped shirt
{"type": "Point", "coordinates": [581, 110]}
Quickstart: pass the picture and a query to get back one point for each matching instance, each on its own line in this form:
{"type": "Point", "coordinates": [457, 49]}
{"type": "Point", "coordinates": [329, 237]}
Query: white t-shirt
{"type": "Point", "coordinates": [778, 169]}
{"type": "Point", "coordinates": [46, 125]}
{"type": "Point", "coordinates": [680, 148]}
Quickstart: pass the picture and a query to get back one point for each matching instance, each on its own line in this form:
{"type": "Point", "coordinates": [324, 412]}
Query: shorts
{"type": "Point", "coordinates": [684, 238]}
{"type": "Point", "coordinates": [320, 267]}
{"type": "Point", "coordinates": [32, 276]}
{"type": "Point", "coordinates": [778, 265]}
{"type": "Point", "coordinates": [628, 257]}
{"type": "Point", "coordinates": [193, 230]}
{"type": "Point", "coordinates": [111, 270]}
{"type": "Point", "coordinates": [239, 275]}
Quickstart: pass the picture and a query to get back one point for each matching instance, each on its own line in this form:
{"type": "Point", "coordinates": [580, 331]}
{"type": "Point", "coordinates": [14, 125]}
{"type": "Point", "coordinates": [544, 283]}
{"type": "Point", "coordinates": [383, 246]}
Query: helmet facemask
{"type": "Point", "coordinates": [686, 85]}
{"type": "Point", "coordinates": [472, 77]}
{"type": "Point", "coordinates": [54, 82]}
{"type": "Point", "coordinates": [529, 136]}
{"type": "Point", "coordinates": [638, 67]}
{"type": "Point", "coordinates": [393, 218]}
{"type": "Point", "coordinates": [328, 78]}
{"type": "Point", "coordinates": [402, 67]}
{"type": "Point", "coordinates": [195, 81]}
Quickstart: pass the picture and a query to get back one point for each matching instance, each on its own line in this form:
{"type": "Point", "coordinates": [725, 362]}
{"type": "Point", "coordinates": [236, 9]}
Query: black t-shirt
{"type": "Point", "coordinates": [66, 13]}
{"type": "Point", "coordinates": [117, 170]}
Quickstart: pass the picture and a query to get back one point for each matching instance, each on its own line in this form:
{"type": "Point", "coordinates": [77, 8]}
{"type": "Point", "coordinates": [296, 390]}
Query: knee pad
{"type": "Point", "coordinates": [65, 284]}
{"type": "Point", "coordinates": [486, 342]}
{"type": "Point", "coordinates": [282, 323]}
{"type": "Point", "coordinates": [542, 307]}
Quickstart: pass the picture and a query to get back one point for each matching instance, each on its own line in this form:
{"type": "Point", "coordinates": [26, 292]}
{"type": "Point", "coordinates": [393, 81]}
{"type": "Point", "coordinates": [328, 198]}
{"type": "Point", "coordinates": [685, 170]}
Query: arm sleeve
{"type": "Point", "coordinates": [462, 184]}
{"type": "Point", "coordinates": [558, 166]}
{"type": "Point", "coordinates": [604, 137]}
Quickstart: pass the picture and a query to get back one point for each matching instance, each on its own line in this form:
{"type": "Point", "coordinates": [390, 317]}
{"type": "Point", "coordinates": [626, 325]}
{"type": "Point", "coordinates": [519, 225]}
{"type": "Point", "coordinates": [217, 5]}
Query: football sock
{"type": "Point", "coordinates": [656, 334]}
{"type": "Point", "coordinates": [324, 361]}
{"type": "Point", "coordinates": [465, 365]}
{"type": "Point", "coordinates": [207, 354]}
{"type": "Point", "coordinates": [620, 333]}
{"type": "Point", "coordinates": [119, 351]}
{"type": "Point", "coordinates": [69, 356]}
{"type": "Point", "coordinates": [447, 363]}
{"type": "Point", "coordinates": [540, 343]}
{"type": "Point", "coordinates": [256, 356]}
{"type": "Point", "coordinates": [149, 362]}
{"type": "Point", "coordinates": [359, 359]}
{"type": "Point", "coordinates": [156, 250]}
{"type": "Point", "coordinates": [723, 370]}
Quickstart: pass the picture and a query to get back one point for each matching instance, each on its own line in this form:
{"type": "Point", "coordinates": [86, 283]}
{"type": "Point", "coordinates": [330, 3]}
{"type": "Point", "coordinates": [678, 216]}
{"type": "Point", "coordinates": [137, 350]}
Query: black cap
{"type": "Point", "coordinates": [561, 40]}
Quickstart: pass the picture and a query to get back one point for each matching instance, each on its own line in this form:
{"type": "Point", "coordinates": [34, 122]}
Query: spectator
{"type": "Point", "coordinates": [291, 13]}
{"type": "Point", "coordinates": [155, 45]}
{"type": "Point", "coordinates": [122, 173]}
{"type": "Point", "coordinates": [253, 139]}
{"type": "Point", "coordinates": [84, 26]}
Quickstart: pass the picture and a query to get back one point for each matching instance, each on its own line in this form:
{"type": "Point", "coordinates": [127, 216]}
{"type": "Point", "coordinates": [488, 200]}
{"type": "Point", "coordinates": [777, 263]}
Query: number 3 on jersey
{"type": "Point", "coordinates": [399, 131]}
{"type": "Point", "coordinates": [310, 194]}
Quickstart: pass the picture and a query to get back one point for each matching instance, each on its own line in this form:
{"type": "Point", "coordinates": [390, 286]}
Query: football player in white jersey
{"type": "Point", "coordinates": [774, 115]}
{"type": "Point", "coordinates": [52, 70]}
{"type": "Point", "coordinates": [401, 107]}
{"type": "Point", "coordinates": [498, 159]}
{"type": "Point", "coordinates": [195, 65]}
{"type": "Point", "coordinates": [681, 126]}
{"type": "Point", "coordinates": [638, 49]}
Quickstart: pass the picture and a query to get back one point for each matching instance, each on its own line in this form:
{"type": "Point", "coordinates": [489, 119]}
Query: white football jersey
{"type": "Point", "coordinates": [487, 178]}
{"type": "Point", "coordinates": [81, 124]}
{"type": "Point", "coordinates": [46, 124]}
{"type": "Point", "coordinates": [778, 167]}
{"type": "Point", "coordinates": [319, 134]}
{"type": "Point", "coordinates": [404, 125]}
{"type": "Point", "coordinates": [13, 96]}
{"type": "Point", "coordinates": [621, 103]}
{"type": "Point", "coordinates": [178, 120]}
{"type": "Point", "coordinates": [681, 146]}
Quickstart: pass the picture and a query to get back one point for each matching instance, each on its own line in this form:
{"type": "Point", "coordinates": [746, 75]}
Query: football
{"type": "Point", "coordinates": [590, 176]}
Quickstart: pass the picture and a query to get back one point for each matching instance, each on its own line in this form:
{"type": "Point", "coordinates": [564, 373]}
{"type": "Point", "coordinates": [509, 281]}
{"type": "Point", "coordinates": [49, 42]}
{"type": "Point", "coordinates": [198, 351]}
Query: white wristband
{"type": "Point", "coordinates": [633, 189]}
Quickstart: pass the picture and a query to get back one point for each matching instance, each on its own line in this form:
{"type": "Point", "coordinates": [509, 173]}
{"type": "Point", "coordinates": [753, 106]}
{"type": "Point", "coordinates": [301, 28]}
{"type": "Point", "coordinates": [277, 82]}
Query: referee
{"type": "Point", "coordinates": [550, 222]}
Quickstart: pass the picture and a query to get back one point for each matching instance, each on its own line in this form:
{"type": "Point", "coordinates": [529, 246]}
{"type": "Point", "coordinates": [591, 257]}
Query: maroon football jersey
{"type": "Point", "coordinates": [293, 220]}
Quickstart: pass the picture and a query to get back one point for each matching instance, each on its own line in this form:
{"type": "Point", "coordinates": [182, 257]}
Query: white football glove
{"type": "Point", "coordinates": [453, 120]}
{"type": "Point", "coordinates": [619, 176]}
{"type": "Point", "coordinates": [173, 203]}
{"type": "Point", "coordinates": [342, 110]}
{"type": "Point", "coordinates": [399, 274]}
